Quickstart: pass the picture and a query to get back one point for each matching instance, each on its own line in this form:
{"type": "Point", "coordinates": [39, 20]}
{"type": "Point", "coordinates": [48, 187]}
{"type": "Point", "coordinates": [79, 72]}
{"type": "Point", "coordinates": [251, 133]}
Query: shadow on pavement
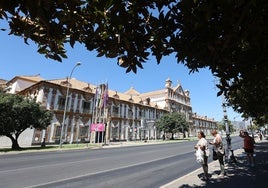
{"type": "Point", "coordinates": [241, 176]}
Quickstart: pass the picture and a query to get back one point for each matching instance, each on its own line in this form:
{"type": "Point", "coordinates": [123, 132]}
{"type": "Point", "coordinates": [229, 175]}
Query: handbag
{"type": "Point", "coordinates": [214, 155]}
{"type": "Point", "coordinates": [221, 149]}
{"type": "Point", "coordinates": [199, 155]}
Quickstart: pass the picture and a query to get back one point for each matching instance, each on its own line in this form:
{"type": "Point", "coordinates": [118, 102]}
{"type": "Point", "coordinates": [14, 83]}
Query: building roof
{"type": "Point", "coordinates": [153, 93]}
{"type": "Point", "coordinates": [83, 86]}
{"type": "Point", "coordinates": [132, 92]}
{"type": "Point", "coordinates": [34, 78]}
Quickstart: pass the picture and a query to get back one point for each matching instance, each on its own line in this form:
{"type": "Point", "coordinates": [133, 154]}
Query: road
{"type": "Point", "coordinates": [146, 166]}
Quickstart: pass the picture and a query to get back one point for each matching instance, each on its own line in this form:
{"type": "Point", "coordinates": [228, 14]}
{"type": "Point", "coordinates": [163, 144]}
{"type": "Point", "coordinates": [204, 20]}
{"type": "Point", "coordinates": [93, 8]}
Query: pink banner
{"type": "Point", "coordinates": [97, 127]}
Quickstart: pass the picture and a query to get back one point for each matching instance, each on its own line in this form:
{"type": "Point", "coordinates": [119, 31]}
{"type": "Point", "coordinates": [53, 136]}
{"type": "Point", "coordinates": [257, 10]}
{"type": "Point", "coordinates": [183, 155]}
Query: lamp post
{"type": "Point", "coordinates": [228, 138]}
{"type": "Point", "coordinates": [66, 103]}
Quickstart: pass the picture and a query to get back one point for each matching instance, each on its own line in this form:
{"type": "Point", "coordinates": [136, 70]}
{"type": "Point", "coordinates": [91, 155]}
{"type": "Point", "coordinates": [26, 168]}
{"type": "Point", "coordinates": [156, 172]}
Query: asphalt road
{"type": "Point", "coordinates": [147, 166]}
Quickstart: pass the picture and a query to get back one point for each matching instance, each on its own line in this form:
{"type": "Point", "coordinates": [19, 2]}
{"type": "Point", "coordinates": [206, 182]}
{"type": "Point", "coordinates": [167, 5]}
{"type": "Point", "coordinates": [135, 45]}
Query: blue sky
{"type": "Point", "coordinates": [18, 58]}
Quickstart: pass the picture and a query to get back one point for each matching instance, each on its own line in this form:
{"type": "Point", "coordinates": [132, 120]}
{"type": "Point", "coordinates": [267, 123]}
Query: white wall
{"type": "Point", "coordinates": [25, 139]}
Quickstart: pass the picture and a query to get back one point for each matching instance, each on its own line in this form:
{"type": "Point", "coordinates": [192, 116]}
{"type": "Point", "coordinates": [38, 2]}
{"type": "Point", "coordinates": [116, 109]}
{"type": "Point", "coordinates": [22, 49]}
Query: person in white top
{"type": "Point", "coordinates": [203, 145]}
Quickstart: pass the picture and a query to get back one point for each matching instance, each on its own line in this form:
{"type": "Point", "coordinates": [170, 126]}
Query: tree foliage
{"type": "Point", "coordinates": [227, 36]}
{"type": "Point", "coordinates": [17, 114]}
{"type": "Point", "coordinates": [250, 98]}
{"type": "Point", "coordinates": [172, 123]}
{"type": "Point", "coordinates": [222, 126]}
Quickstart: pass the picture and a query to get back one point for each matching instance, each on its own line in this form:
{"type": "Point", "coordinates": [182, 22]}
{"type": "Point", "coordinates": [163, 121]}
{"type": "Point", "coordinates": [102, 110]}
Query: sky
{"type": "Point", "coordinates": [20, 59]}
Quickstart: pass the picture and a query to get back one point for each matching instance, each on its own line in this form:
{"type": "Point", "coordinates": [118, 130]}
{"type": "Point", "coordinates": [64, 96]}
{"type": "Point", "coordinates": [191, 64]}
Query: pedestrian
{"type": "Point", "coordinates": [248, 147]}
{"type": "Point", "coordinates": [218, 147]}
{"type": "Point", "coordinates": [202, 145]}
{"type": "Point", "coordinates": [260, 136]}
{"type": "Point", "coordinates": [43, 144]}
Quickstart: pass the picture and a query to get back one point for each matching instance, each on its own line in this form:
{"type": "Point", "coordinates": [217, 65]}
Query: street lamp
{"type": "Point", "coordinates": [228, 138]}
{"type": "Point", "coordinates": [66, 103]}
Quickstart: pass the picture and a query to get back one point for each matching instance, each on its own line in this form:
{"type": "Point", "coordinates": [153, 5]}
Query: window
{"type": "Point", "coordinates": [115, 111]}
{"type": "Point", "coordinates": [61, 103]}
{"type": "Point", "coordinates": [84, 131]}
{"type": "Point", "coordinates": [86, 107]}
{"type": "Point", "coordinates": [142, 113]}
{"type": "Point", "coordinates": [130, 113]}
{"type": "Point", "coordinates": [58, 131]}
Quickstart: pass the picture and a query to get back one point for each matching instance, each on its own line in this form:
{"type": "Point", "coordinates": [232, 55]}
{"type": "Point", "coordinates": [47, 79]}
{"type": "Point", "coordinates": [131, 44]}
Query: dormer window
{"type": "Point", "coordinates": [130, 99]}
{"type": "Point", "coordinates": [116, 95]}
{"type": "Point", "coordinates": [148, 101]}
{"type": "Point", "coordinates": [65, 82]}
{"type": "Point", "coordinates": [87, 89]}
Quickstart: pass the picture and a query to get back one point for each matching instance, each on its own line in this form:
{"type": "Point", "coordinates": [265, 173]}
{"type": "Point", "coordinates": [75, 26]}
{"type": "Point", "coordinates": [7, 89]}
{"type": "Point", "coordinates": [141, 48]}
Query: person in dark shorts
{"type": "Point", "coordinates": [248, 147]}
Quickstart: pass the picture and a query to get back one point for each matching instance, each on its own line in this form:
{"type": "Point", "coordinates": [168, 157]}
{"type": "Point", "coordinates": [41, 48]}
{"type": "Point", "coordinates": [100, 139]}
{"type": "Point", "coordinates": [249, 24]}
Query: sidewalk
{"type": "Point", "coordinates": [237, 175]}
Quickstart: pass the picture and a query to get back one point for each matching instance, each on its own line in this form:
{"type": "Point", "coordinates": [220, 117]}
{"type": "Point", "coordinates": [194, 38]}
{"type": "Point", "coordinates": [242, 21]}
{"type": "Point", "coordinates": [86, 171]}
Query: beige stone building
{"type": "Point", "coordinates": [203, 123]}
{"type": "Point", "coordinates": [125, 116]}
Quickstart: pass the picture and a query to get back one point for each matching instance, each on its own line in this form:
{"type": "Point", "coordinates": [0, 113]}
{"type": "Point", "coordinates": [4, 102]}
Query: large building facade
{"type": "Point", "coordinates": [125, 116]}
{"type": "Point", "coordinates": [203, 123]}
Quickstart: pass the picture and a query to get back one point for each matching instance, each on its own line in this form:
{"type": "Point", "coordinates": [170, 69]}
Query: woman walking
{"type": "Point", "coordinates": [202, 144]}
{"type": "Point", "coordinates": [219, 148]}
